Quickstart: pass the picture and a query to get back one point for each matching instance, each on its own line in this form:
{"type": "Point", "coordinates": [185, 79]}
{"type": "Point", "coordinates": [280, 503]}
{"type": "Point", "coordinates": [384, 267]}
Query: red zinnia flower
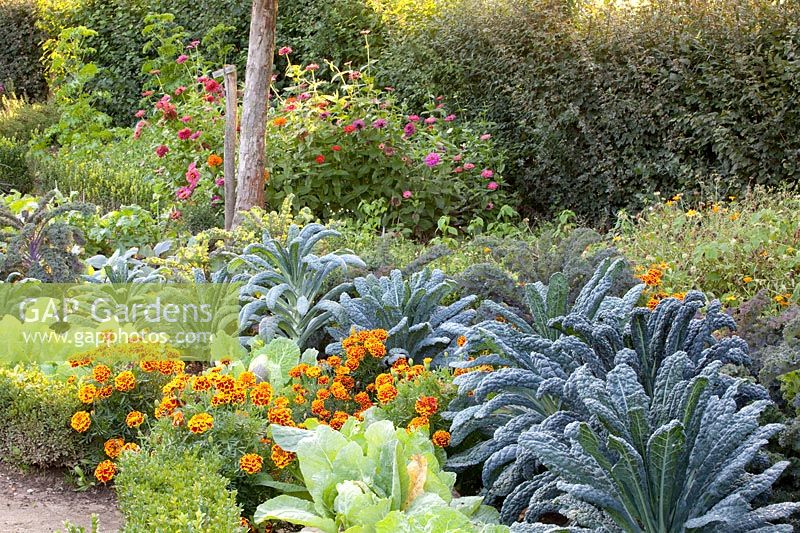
{"type": "Point", "coordinates": [320, 159]}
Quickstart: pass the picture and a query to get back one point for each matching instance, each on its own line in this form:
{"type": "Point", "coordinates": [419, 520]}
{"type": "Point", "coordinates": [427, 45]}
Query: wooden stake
{"type": "Point", "coordinates": [231, 122]}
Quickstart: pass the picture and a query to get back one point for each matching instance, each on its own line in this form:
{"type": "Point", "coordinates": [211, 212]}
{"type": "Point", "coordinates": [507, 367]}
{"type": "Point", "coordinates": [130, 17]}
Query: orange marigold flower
{"type": "Point", "coordinates": [261, 394]}
{"type": "Point", "coordinates": [441, 438]}
{"type": "Point", "coordinates": [201, 383]}
{"type": "Point", "coordinates": [101, 373]}
{"type": "Point", "coordinates": [313, 372]}
{"type": "Point", "coordinates": [281, 401]}
{"type": "Point", "coordinates": [323, 380]}
{"type": "Point", "coordinates": [87, 393]}
{"type": "Point", "coordinates": [220, 398]}
{"type": "Point", "coordinates": [251, 463]}
{"type": "Point", "coordinates": [317, 406]}
{"type": "Point", "coordinates": [104, 392]}
{"type": "Point", "coordinates": [386, 393]}
{"type": "Point", "coordinates": [200, 423]}
{"type": "Point", "coordinates": [417, 423]}
{"type": "Point", "coordinates": [339, 392]}
{"type": "Point", "coordinates": [347, 381]}
{"type": "Point", "coordinates": [426, 405]}
{"type": "Point", "coordinates": [177, 418]}
{"type": "Point", "coordinates": [299, 399]}
{"type": "Point", "coordinates": [379, 334]}
{"type": "Point", "coordinates": [84, 361]}
{"type": "Point", "coordinates": [334, 361]}
{"type": "Point", "coordinates": [461, 341]}
{"type": "Point", "coordinates": [281, 457]}
{"type": "Point", "coordinates": [363, 399]}
{"type": "Point", "coordinates": [401, 364]}
{"type": "Point", "coordinates": [113, 447]}
{"type": "Point", "coordinates": [214, 160]}
{"type": "Point", "coordinates": [323, 394]}
{"type": "Point", "coordinates": [134, 419]}
{"type": "Point", "coordinates": [375, 347]}
{"type": "Point", "coordinates": [105, 471]}
{"type": "Point", "coordinates": [383, 379]}
{"type": "Point", "coordinates": [125, 381]}
{"type": "Point", "coordinates": [225, 383]}
{"type": "Point", "coordinates": [148, 365]}
{"type": "Point", "coordinates": [338, 420]}
{"type": "Point", "coordinates": [281, 416]}
{"type": "Point", "coordinates": [247, 378]}
{"type": "Point", "coordinates": [81, 421]}
{"type": "Point", "coordinates": [298, 370]}
{"type": "Point", "coordinates": [238, 395]}
{"type": "Point", "coordinates": [279, 121]}
{"type": "Point", "coordinates": [130, 447]}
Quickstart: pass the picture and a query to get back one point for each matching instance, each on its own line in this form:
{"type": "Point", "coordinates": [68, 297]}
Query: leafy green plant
{"type": "Point", "coordinates": [21, 120]}
{"type": "Point", "coordinates": [273, 361]}
{"type": "Point", "coordinates": [94, 527]}
{"type": "Point", "coordinates": [159, 490]}
{"type": "Point", "coordinates": [670, 460]}
{"type": "Point", "coordinates": [372, 477]}
{"type": "Point", "coordinates": [38, 244]}
{"type": "Point", "coordinates": [13, 168]}
{"type": "Point", "coordinates": [19, 65]}
{"type": "Point", "coordinates": [284, 283]}
{"type": "Point", "coordinates": [410, 310]}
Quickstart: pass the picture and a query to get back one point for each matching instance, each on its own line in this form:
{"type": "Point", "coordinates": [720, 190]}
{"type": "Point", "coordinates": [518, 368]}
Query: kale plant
{"type": "Point", "coordinates": [39, 244]}
{"type": "Point", "coordinates": [283, 291]}
{"type": "Point", "coordinates": [410, 310]}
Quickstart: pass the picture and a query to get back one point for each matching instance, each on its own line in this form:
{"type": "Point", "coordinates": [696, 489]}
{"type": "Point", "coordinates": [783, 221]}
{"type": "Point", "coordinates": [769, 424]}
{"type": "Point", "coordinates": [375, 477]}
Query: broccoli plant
{"type": "Point", "coordinates": [670, 461]}
{"type": "Point", "coordinates": [410, 310]}
{"type": "Point", "coordinates": [39, 244]}
{"type": "Point", "coordinates": [284, 283]}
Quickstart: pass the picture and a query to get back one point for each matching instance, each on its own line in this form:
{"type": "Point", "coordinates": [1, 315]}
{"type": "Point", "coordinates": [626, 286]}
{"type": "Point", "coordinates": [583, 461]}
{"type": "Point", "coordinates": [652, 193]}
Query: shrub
{"type": "Point", "coordinates": [660, 97]}
{"type": "Point", "coordinates": [161, 490]}
{"type": "Point", "coordinates": [20, 70]}
{"type": "Point", "coordinates": [20, 119]}
{"type": "Point", "coordinates": [13, 168]}
{"type": "Point", "coordinates": [35, 410]}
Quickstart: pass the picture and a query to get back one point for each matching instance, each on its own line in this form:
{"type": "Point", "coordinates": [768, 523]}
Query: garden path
{"type": "Point", "coordinates": [40, 502]}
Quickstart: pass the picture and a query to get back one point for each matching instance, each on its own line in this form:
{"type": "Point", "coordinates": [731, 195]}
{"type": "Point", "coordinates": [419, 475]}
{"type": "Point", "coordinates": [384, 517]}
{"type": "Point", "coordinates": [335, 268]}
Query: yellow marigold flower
{"type": "Point", "coordinates": [81, 421]}
{"type": "Point", "coordinates": [148, 365]}
{"type": "Point", "coordinates": [417, 423]}
{"type": "Point", "coordinates": [104, 392]}
{"type": "Point", "coordinates": [101, 373]}
{"type": "Point", "coordinates": [105, 471]}
{"type": "Point", "coordinates": [363, 400]}
{"type": "Point", "coordinates": [200, 423]}
{"type": "Point", "coordinates": [747, 279]}
{"type": "Point", "coordinates": [281, 401]}
{"type": "Point", "coordinates": [220, 398]}
{"type": "Point", "coordinates": [113, 447]}
{"type": "Point", "coordinates": [427, 361]}
{"type": "Point", "coordinates": [299, 399]}
{"type": "Point", "coordinates": [239, 395]}
{"type": "Point", "coordinates": [87, 393]}
{"type": "Point", "coordinates": [247, 378]}
{"type": "Point", "coordinates": [426, 405]}
{"type": "Point", "coordinates": [281, 457]}
{"type": "Point", "coordinates": [338, 420]}
{"type": "Point", "coordinates": [441, 438]}
{"type": "Point", "coordinates": [317, 406]}
{"type": "Point", "coordinates": [134, 419]}
{"type": "Point", "coordinates": [261, 394]}
{"type": "Point", "coordinates": [177, 418]}
{"type": "Point", "coordinates": [375, 348]}
{"type": "Point", "coordinates": [201, 383]}
{"type": "Point", "coordinates": [383, 379]}
{"type": "Point", "coordinates": [71, 380]}
{"type": "Point", "coordinates": [323, 394]}
{"type": "Point", "coordinates": [461, 341]}
{"type": "Point", "coordinates": [334, 361]}
{"type": "Point", "coordinates": [130, 447]}
{"type": "Point", "coordinates": [379, 334]}
{"type": "Point", "coordinates": [251, 463]}
{"type": "Point", "coordinates": [225, 383]}
{"type": "Point", "coordinates": [691, 213]}
{"type": "Point", "coordinates": [125, 381]}
{"type": "Point", "coordinates": [313, 372]}
{"type": "Point", "coordinates": [386, 393]}
{"type": "Point", "coordinates": [214, 160]}
{"type": "Point", "coordinates": [281, 416]}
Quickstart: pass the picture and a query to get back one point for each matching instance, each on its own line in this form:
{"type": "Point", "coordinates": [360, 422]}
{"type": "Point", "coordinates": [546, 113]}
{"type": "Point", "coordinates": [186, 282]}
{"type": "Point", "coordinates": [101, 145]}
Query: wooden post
{"type": "Point", "coordinates": [250, 190]}
{"type": "Point", "coordinates": [231, 122]}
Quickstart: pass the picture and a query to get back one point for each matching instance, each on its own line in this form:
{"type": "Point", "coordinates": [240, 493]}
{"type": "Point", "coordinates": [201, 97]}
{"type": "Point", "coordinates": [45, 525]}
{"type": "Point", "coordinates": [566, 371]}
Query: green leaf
{"type": "Point", "coordinates": [295, 511]}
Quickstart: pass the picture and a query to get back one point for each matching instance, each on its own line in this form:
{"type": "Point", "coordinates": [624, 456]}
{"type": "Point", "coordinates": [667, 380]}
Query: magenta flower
{"type": "Point", "coordinates": [485, 136]}
{"type": "Point", "coordinates": [192, 175]}
{"type": "Point", "coordinates": [432, 159]}
{"type": "Point", "coordinates": [492, 185]}
{"type": "Point", "coordinates": [406, 194]}
{"type": "Point", "coordinates": [219, 182]}
{"type": "Point", "coordinates": [284, 50]}
{"type": "Point", "coordinates": [486, 173]}
{"type": "Point", "coordinates": [183, 58]}
{"type": "Point", "coordinates": [180, 90]}
{"type": "Point", "coordinates": [141, 113]}
{"type": "Point", "coordinates": [457, 157]}
{"type": "Point", "coordinates": [184, 134]}
{"type": "Point", "coordinates": [489, 206]}
{"type": "Point", "coordinates": [162, 150]}
{"type": "Point", "coordinates": [358, 124]}
{"type": "Point", "coordinates": [192, 45]}
{"type": "Point", "coordinates": [195, 135]}
{"type": "Point", "coordinates": [304, 96]}
{"type": "Point", "coordinates": [469, 166]}
{"type": "Point", "coordinates": [449, 118]}
{"type": "Point", "coordinates": [409, 130]}
{"type": "Point", "coordinates": [379, 123]}
{"type": "Point", "coordinates": [430, 120]}
{"type": "Point", "coordinates": [137, 131]}
{"type": "Point", "coordinates": [185, 118]}
{"type": "Point", "coordinates": [175, 214]}
{"type": "Point", "coordinates": [413, 118]}
{"type": "Point", "coordinates": [184, 193]}
{"type": "Point", "coordinates": [216, 199]}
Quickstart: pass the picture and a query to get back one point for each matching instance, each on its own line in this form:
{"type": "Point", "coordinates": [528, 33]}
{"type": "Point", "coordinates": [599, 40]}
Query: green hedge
{"type": "Point", "coordinates": [20, 70]}
{"type": "Point", "coordinates": [599, 106]}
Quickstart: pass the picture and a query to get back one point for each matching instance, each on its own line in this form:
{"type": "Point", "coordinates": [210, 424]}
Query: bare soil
{"type": "Point", "coordinates": [40, 501]}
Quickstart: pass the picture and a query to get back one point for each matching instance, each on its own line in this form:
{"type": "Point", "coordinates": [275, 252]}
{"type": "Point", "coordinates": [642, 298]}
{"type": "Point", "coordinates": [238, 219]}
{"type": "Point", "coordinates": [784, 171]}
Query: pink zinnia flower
{"type": "Point", "coordinates": [137, 131]}
{"type": "Point", "coordinates": [304, 96]}
{"type": "Point", "coordinates": [180, 90]}
{"type": "Point", "coordinates": [409, 130]}
{"type": "Point", "coordinates": [192, 45]}
{"type": "Point", "coordinates": [195, 135]}
{"type": "Point", "coordinates": [432, 159]}
{"type": "Point", "coordinates": [185, 118]}
{"type": "Point", "coordinates": [175, 214]}
{"type": "Point", "coordinates": [216, 199]}
{"type": "Point", "coordinates": [430, 120]}
{"type": "Point", "coordinates": [141, 113]}
{"type": "Point", "coordinates": [212, 86]}
{"type": "Point", "coordinates": [489, 206]}
{"type": "Point", "coordinates": [492, 185]}
{"type": "Point", "coordinates": [219, 182]}
{"type": "Point", "coordinates": [358, 124]}
{"type": "Point", "coordinates": [469, 166]}
{"type": "Point", "coordinates": [406, 194]}
{"type": "Point", "coordinates": [184, 193]}
{"type": "Point", "coordinates": [457, 157]}
{"type": "Point", "coordinates": [354, 75]}
{"type": "Point", "coordinates": [184, 134]}
{"type": "Point", "coordinates": [312, 67]}
{"type": "Point", "coordinates": [162, 150]}
{"type": "Point", "coordinates": [449, 118]}
{"type": "Point", "coordinates": [458, 170]}
{"type": "Point", "coordinates": [413, 118]}
{"type": "Point", "coordinates": [485, 136]}
{"type": "Point", "coordinates": [320, 159]}
{"type": "Point", "coordinates": [486, 173]}
{"type": "Point", "coordinates": [192, 175]}
{"type": "Point", "coordinates": [284, 50]}
{"type": "Point", "coordinates": [183, 58]}
{"type": "Point", "coordinates": [379, 123]}
{"type": "Point", "coordinates": [147, 93]}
